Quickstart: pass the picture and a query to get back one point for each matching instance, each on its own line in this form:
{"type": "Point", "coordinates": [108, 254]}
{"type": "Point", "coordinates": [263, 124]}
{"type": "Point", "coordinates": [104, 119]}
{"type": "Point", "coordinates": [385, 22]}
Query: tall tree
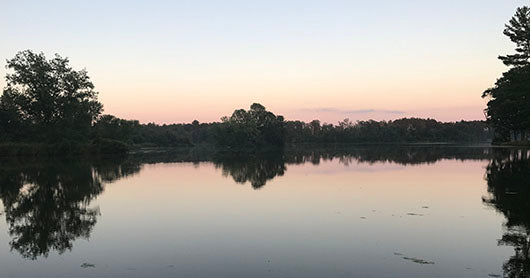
{"type": "Point", "coordinates": [518, 30]}
{"type": "Point", "coordinates": [50, 96]}
{"type": "Point", "coordinates": [256, 127]}
{"type": "Point", "coordinates": [508, 109]}
{"type": "Point", "coordinates": [509, 106]}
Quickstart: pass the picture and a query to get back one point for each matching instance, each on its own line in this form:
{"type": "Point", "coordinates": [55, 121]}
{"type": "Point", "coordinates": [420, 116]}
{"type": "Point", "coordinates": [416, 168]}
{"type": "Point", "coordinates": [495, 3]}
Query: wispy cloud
{"type": "Point", "coordinates": [351, 111]}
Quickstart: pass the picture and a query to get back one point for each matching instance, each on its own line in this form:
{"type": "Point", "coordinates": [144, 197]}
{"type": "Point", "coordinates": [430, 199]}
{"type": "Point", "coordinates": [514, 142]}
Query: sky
{"type": "Point", "coordinates": [179, 61]}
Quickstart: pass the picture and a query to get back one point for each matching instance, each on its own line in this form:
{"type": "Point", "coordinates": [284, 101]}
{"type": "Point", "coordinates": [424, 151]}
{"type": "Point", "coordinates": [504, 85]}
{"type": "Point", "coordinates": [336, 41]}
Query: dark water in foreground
{"type": "Point", "coordinates": [423, 211]}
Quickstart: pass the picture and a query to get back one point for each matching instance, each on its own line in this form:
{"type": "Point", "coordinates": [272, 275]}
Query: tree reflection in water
{"type": "Point", "coordinates": [47, 204]}
{"type": "Point", "coordinates": [259, 168]}
{"type": "Point", "coordinates": [508, 177]}
{"type": "Point", "coordinates": [254, 168]}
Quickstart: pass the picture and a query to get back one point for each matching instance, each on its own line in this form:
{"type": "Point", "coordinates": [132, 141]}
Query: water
{"type": "Point", "coordinates": [416, 211]}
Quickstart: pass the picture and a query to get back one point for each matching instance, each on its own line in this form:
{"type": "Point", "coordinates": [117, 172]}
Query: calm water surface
{"type": "Point", "coordinates": [364, 212]}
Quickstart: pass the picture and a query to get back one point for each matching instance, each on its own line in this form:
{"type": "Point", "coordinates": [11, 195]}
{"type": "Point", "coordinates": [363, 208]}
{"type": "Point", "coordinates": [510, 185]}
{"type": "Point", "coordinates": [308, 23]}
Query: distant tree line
{"type": "Point", "coordinates": [48, 107]}
{"type": "Point", "coordinates": [508, 109]}
{"type": "Point", "coordinates": [258, 128]}
{"type": "Point", "coordinates": [406, 130]}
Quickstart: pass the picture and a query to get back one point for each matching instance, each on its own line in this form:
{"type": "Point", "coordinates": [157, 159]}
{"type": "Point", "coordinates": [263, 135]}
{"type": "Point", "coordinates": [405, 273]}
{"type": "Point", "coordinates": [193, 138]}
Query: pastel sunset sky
{"type": "Point", "coordinates": [176, 61]}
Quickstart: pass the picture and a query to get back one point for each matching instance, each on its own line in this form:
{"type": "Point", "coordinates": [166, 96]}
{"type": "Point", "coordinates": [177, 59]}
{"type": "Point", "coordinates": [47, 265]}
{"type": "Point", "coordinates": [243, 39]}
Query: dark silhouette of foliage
{"type": "Point", "coordinates": [243, 133]}
{"type": "Point", "coordinates": [254, 168]}
{"type": "Point", "coordinates": [110, 127]}
{"type": "Point", "coordinates": [46, 204]}
{"type": "Point", "coordinates": [509, 105]}
{"type": "Point", "coordinates": [258, 168]}
{"type": "Point", "coordinates": [48, 108]}
{"type": "Point", "coordinates": [508, 176]}
{"type": "Point", "coordinates": [518, 30]}
{"type": "Point", "coordinates": [256, 127]}
{"type": "Point", "coordinates": [53, 100]}
{"type": "Point", "coordinates": [404, 130]}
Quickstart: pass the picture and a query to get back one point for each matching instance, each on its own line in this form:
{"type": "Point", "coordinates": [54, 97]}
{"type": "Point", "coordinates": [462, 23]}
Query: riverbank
{"type": "Point", "coordinates": [114, 147]}
{"type": "Point", "coordinates": [63, 148]}
{"type": "Point", "coordinates": [525, 143]}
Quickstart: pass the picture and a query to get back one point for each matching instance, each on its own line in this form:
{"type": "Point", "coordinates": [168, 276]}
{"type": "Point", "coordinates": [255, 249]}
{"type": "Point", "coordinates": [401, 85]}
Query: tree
{"type": "Point", "coordinates": [518, 30]}
{"type": "Point", "coordinates": [10, 119]}
{"type": "Point", "coordinates": [51, 97]}
{"type": "Point", "coordinates": [254, 128]}
{"type": "Point", "coordinates": [509, 105]}
{"type": "Point", "coordinates": [110, 127]}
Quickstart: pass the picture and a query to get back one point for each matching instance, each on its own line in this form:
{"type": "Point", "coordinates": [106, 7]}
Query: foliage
{"type": "Point", "coordinates": [241, 135]}
{"type": "Point", "coordinates": [47, 97]}
{"type": "Point", "coordinates": [509, 105]}
{"type": "Point", "coordinates": [48, 108]}
{"type": "Point", "coordinates": [109, 146]}
{"type": "Point", "coordinates": [257, 168]}
{"type": "Point", "coordinates": [254, 128]}
{"type": "Point", "coordinates": [518, 30]}
{"type": "Point", "coordinates": [110, 127]}
{"type": "Point", "coordinates": [47, 204]}
{"type": "Point", "coordinates": [175, 135]}
{"type": "Point", "coordinates": [508, 177]}
{"type": "Point", "coordinates": [406, 130]}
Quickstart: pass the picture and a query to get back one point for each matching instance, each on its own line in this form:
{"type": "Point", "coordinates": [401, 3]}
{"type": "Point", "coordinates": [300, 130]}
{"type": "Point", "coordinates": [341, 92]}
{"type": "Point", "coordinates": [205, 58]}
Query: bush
{"type": "Point", "coordinates": [109, 146]}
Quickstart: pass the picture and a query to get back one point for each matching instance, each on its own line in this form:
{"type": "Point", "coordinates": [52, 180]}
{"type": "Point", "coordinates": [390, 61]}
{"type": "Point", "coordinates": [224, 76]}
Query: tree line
{"type": "Point", "coordinates": [259, 128]}
{"type": "Point", "coordinates": [49, 107]}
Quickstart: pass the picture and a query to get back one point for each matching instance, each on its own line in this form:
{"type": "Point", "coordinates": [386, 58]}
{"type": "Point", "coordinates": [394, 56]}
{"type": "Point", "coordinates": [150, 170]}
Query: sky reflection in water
{"type": "Point", "coordinates": [359, 212]}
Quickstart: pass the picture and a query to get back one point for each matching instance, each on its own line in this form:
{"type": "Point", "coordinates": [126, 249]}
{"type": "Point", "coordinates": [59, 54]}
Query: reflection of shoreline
{"type": "Point", "coordinates": [400, 154]}
{"type": "Point", "coordinates": [508, 177]}
{"type": "Point", "coordinates": [258, 168]}
{"type": "Point", "coordinates": [47, 203]}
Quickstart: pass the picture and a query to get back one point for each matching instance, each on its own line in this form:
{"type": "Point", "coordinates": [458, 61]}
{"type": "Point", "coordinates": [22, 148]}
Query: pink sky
{"type": "Point", "coordinates": [169, 62]}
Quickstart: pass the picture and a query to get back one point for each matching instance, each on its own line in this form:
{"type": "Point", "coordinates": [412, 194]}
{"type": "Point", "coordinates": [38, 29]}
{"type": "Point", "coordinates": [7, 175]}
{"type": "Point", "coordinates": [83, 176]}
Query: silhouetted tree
{"type": "Point", "coordinates": [256, 127]}
{"type": "Point", "coordinates": [54, 108]}
{"type": "Point", "coordinates": [55, 100]}
{"type": "Point", "coordinates": [518, 30]}
{"type": "Point", "coordinates": [509, 105]}
{"type": "Point", "coordinates": [108, 126]}
{"type": "Point", "coordinates": [11, 124]}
